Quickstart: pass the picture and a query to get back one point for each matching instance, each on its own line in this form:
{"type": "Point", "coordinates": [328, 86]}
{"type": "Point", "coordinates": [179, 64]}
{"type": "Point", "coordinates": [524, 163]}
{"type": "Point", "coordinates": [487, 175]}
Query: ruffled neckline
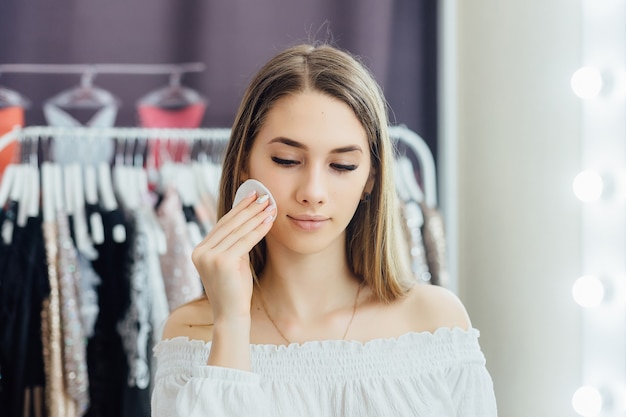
{"type": "Point", "coordinates": [442, 333]}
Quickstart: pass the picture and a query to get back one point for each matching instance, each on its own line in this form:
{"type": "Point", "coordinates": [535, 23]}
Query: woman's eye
{"type": "Point", "coordinates": [284, 162]}
{"type": "Point", "coordinates": [340, 167]}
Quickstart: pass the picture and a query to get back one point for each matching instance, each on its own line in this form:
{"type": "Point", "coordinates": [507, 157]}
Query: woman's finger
{"type": "Point", "coordinates": [249, 234]}
{"type": "Point", "coordinates": [234, 220]}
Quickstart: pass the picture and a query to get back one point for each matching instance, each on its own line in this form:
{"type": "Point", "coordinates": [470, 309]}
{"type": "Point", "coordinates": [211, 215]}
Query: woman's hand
{"type": "Point", "coordinates": [222, 258]}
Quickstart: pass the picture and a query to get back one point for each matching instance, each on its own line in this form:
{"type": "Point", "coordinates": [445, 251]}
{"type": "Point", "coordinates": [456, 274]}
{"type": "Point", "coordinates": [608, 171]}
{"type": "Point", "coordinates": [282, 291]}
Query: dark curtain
{"type": "Point", "coordinates": [396, 39]}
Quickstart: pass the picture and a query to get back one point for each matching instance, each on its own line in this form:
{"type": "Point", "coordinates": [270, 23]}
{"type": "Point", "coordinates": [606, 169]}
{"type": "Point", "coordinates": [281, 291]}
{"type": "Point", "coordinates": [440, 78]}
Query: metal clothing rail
{"type": "Point", "coordinates": [103, 68]}
{"type": "Point", "coordinates": [32, 132]}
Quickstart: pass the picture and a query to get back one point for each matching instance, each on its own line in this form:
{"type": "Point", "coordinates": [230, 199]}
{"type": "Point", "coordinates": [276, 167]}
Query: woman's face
{"type": "Point", "coordinates": [313, 155]}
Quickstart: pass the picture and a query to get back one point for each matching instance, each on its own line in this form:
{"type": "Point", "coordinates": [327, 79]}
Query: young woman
{"type": "Point", "coordinates": [309, 310]}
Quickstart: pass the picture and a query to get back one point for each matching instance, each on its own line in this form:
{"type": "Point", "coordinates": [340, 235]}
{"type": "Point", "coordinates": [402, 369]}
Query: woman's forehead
{"type": "Point", "coordinates": [310, 120]}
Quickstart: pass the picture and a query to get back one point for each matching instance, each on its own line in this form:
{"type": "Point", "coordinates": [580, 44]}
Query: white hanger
{"type": "Point", "coordinates": [57, 184]}
{"type": "Point", "coordinates": [17, 190]}
{"type": "Point", "coordinates": [51, 191]}
{"type": "Point", "coordinates": [131, 184]}
{"type": "Point", "coordinates": [181, 178]}
{"type": "Point", "coordinates": [75, 200]}
{"type": "Point", "coordinates": [22, 194]}
{"type": "Point", "coordinates": [91, 184]}
{"type": "Point", "coordinates": [35, 190]}
{"type": "Point", "coordinates": [167, 175]}
{"type": "Point", "coordinates": [68, 190]}
{"type": "Point", "coordinates": [199, 180]}
{"type": "Point", "coordinates": [6, 183]}
{"type": "Point", "coordinates": [105, 187]}
{"type": "Point", "coordinates": [186, 185]}
{"type": "Point", "coordinates": [138, 177]}
{"type": "Point", "coordinates": [108, 193]}
{"type": "Point", "coordinates": [47, 190]}
{"type": "Point", "coordinates": [13, 193]}
{"type": "Point", "coordinates": [212, 174]}
{"type": "Point", "coordinates": [84, 243]}
{"type": "Point", "coordinates": [91, 197]}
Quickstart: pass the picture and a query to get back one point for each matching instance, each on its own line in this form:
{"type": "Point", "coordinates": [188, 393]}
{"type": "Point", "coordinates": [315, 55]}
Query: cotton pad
{"type": "Point", "coordinates": [250, 185]}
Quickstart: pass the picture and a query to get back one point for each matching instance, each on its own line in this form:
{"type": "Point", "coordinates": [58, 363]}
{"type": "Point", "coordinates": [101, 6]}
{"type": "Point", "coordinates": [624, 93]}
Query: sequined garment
{"type": "Point", "coordinates": [87, 295]}
{"type": "Point", "coordinates": [74, 341]}
{"type": "Point", "coordinates": [435, 244]}
{"type": "Point", "coordinates": [59, 403]}
{"type": "Point", "coordinates": [182, 283]}
{"type": "Point", "coordinates": [414, 222]}
{"type": "Point", "coordinates": [135, 327]}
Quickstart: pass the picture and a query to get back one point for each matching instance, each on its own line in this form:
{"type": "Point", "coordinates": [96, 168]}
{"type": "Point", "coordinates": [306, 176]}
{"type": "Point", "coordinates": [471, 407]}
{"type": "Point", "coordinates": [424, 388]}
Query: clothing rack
{"type": "Point", "coordinates": [424, 157]}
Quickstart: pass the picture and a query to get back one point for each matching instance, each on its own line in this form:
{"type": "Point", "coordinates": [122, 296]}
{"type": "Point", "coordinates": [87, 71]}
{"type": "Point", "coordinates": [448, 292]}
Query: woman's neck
{"type": "Point", "coordinates": [305, 286]}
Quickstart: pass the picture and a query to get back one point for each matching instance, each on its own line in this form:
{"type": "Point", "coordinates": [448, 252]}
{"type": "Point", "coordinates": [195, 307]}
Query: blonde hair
{"type": "Point", "coordinates": [372, 245]}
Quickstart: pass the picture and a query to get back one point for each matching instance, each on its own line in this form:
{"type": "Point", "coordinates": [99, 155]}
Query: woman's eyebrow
{"type": "Point", "coordinates": [299, 145]}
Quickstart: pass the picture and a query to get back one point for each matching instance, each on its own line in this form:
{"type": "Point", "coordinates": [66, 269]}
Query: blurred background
{"type": "Point", "coordinates": [396, 39]}
{"type": "Point", "coordinates": [488, 85]}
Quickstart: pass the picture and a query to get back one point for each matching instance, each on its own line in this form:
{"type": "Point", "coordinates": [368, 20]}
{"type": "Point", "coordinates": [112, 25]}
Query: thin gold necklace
{"type": "Point", "coordinates": [345, 333]}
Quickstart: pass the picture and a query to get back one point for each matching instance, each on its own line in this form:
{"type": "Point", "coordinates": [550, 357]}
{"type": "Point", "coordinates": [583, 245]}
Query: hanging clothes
{"type": "Point", "coordinates": [70, 149]}
{"type": "Point", "coordinates": [23, 288]}
{"type": "Point", "coordinates": [435, 245]}
{"type": "Point", "coordinates": [106, 359]}
{"type": "Point", "coordinates": [190, 116]}
{"type": "Point", "coordinates": [172, 106]}
{"type": "Point", "coordinates": [10, 117]}
{"type": "Point", "coordinates": [414, 220]}
{"type": "Point", "coordinates": [155, 116]}
{"type": "Point", "coordinates": [91, 320]}
{"type": "Point", "coordinates": [74, 340]}
{"type": "Point", "coordinates": [58, 401]}
{"type": "Point", "coordinates": [182, 282]}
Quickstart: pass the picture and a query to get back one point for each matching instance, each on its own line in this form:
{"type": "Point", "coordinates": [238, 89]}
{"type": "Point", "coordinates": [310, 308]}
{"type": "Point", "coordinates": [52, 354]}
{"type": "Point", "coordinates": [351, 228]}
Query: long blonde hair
{"type": "Point", "coordinates": [372, 245]}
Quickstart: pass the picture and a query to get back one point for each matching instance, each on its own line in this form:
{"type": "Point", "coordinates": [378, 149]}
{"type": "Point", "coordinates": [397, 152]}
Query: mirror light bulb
{"type": "Point", "coordinates": [588, 186]}
{"type": "Point", "coordinates": [587, 401]}
{"type": "Point", "coordinates": [587, 82]}
{"type": "Point", "coordinates": [588, 291]}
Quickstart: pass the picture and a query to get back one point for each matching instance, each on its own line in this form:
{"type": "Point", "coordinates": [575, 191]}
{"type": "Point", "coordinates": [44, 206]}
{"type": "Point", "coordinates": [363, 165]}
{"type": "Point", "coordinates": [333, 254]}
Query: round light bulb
{"type": "Point", "coordinates": [587, 82]}
{"type": "Point", "coordinates": [588, 186]}
{"type": "Point", "coordinates": [588, 291]}
{"type": "Point", "coordinates": [587, 401]}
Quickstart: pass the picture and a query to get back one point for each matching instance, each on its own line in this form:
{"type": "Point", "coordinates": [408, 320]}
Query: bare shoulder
{"type": "Point", "coordinates": [431, 307]}
{"type": "Point", "coordinates": [193, 320]}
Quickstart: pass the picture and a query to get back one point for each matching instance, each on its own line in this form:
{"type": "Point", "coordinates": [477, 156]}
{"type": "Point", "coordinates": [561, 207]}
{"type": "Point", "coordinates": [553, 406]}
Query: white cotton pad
{"type": "Point", "coordinates": [250, 185]}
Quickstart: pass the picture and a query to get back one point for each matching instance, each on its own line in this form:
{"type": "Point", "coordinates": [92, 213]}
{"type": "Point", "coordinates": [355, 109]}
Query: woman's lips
{"type": "Point", "coordinates": [308, 223]}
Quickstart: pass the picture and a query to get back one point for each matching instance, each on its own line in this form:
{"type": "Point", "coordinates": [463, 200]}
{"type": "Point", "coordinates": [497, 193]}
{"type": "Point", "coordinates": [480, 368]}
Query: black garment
{"type": "Point", "coordinates": [106, 361]}
{"type": "Point", "coordinates": [24, 285]}
{"type": "Point", "coordinates": [195, 223]}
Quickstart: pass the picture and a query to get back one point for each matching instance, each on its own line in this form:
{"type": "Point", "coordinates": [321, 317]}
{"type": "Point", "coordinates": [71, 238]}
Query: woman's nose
{"type": "Point", "coordinates": [312, 188]}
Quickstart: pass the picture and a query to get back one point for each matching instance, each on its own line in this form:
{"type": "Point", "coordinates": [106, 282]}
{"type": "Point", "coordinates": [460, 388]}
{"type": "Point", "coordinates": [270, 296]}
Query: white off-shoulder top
{"type": "Point", "coordinates": [436, 374]}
